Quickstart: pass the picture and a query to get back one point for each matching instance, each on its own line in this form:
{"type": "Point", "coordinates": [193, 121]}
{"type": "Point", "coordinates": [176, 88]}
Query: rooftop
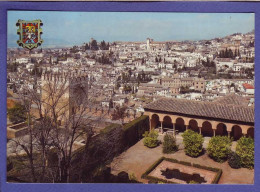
{"type": "Point", "coordinates": [204, 109]}
{"type": "Point", "coordinates": [232, 99]}
{"type": "Point", "coordinates": [248, 86]}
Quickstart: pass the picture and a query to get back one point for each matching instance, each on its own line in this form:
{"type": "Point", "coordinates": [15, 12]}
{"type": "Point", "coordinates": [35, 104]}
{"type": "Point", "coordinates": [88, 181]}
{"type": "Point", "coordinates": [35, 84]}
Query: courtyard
{"type": "Point", "coordinates": [137, 159]}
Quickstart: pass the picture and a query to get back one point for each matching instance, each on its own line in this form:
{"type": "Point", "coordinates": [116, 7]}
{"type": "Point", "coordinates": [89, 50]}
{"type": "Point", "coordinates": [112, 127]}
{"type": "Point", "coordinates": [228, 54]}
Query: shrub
{"type": "Point", "coordinates": [150, 139]}
{"type": "Point", "coordinates": [123, 177]}
{"type": "Point", "coordinates": [219, 148]}
{"type": "Point", "coordinates": [193, 182]}
{"type": "Point", "coordinates": [245, 150]}
{"type": "Point", "coordinates": [17, 114]}
{"type": "Point", "coordinates": [160, 182]}
{"type": "Point", "coordinates": [234, 160]}
{"type": "Point", "coordinates": [132, 177]}
{"type": "Point", "coordinates": [192, 143]}
{"type": "Point", "coordinates": [169, 144]}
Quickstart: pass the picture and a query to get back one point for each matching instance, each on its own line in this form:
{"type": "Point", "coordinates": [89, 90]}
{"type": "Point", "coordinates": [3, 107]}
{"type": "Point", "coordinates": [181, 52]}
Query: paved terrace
{"type": "Point", "coordinates": [139, 158]}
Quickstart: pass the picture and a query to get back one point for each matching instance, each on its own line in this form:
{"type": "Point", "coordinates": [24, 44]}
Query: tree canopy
{"type": "Point", "coordinates": [17, 114]}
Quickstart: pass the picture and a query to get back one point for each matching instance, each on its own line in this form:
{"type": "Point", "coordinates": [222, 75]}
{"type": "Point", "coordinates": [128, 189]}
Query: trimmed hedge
{"type": "Point", "coordinates": [185, 163]}
{"type": "Point", "coordinates": [152, 179]}
{"type": "Point", "coordinates": [133, 131]}
{"type": "Point", "coordinates": [152, 167]}
{"type": "Point", "coordinates": [111, 142]}
{"type": "Point", "coordinates": [218, 171]}
{"type": "Point", "coordinates": [109, 128]}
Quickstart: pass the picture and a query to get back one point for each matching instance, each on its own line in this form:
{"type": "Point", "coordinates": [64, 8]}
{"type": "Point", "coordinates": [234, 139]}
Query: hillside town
{"type": "Point", "coordinates": [130, 97]}
{"type": "Point", "coordinates": [132, 74]}
{"type": "Point", "coordinates": [92, 113]}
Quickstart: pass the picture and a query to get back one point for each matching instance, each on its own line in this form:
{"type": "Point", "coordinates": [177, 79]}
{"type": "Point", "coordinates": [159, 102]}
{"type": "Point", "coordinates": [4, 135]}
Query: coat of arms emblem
{"type": "Point", "coordinates": [30, 33]}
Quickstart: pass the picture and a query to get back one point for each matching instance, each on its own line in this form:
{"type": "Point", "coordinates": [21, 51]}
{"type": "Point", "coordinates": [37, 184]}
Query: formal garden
{"type": "Point", "coordinates": [153, 158]}
{"type": "Point", "coordinates": [219, 147]}
{"type": "Point", "coordinates": [133, 154]}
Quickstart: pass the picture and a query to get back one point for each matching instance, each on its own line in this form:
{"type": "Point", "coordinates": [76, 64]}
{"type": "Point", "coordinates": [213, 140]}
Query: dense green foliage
{"type": "Point", "coordinates": [234, 160]}
{"type": "Point", "coordinates": [245, 150]}
{"type": "Point", "coordinates": [109, 128]}
{"type": "Point", "coordinates": [134, 130]}
{"type": "Point", "coordinates": [193, 182]}
{"type": "Point", "coordinates": [151, 139]}
{"type": "Point", "coordinates": [17, 114]}
{"type": "Point", "coordinates": [169, 144]}
{"type": "Point", "coordinates": [219, 147]}
{"type": "Point", "coordinates": [192, 143]}
{"type": "Point", "coordinates": [228, 53]}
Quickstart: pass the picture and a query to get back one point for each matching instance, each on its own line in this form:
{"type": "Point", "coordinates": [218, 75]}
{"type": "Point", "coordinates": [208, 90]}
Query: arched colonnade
{"type": "Point", "coordinates": [176, 124]}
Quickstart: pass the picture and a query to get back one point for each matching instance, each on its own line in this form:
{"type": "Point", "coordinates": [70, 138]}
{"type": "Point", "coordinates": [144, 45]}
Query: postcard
{"type": "Point", "coordinates": [130, 96]}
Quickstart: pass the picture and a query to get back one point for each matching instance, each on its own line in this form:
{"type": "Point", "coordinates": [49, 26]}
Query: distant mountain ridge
{"type": "Point", "coordinates": [49, 42]}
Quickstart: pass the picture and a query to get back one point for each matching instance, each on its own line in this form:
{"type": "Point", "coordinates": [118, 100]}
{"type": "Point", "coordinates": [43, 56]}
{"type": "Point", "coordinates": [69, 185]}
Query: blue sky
{"type": "Point", "coordinates": [75, 28]}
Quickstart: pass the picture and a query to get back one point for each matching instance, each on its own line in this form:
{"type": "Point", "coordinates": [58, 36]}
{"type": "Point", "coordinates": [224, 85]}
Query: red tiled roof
{"type": "Point", "coordinates": [248, 86]}
{"type": "Point", "coordinates": [232, 99]}
{"type": "Point", "coordinates": [204, 109]}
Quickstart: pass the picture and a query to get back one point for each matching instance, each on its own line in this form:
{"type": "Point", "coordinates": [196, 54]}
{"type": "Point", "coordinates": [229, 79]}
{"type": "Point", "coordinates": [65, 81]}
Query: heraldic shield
{"type": "Point", "coordinates": [30, 33]}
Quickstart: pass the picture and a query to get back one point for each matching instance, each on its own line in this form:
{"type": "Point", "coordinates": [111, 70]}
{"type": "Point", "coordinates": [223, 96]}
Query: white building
{"type": "Point", "coordinates": [249, 89]}
{"type": "Point", "coordinates": [22, 60]}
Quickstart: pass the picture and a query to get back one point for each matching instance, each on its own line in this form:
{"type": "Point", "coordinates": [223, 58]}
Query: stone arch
{"type": "Point", "coordinates": [167, 122]}
{"type": "Point", "coordinates": [250, 132]}
{"type": "Point", "coordinates": [206, 129]}
{"type": "Point", "coordinates": [221, 130]}
{"type": "Point", "coordinates": [155, 121]}
{"type": "Point", "coordinates": [236, 132]}
{"type": "Point", "coordinates": [193, 125]}
{"type": "Point", "coordinates": [180, 124]}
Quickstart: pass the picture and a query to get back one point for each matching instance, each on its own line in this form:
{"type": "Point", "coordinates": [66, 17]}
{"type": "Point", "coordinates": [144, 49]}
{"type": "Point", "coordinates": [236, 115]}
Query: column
{"type": "Point", "coordinates": [200, 129]}
{"type": "Point", "coordinates": [161, 127]}
{"type": "Point", "coordinates": [214, 132]}
{"type": "Point", "coordinates": [174, 131]}
{"type": "Point", "coordinates": [228, 133]}
{"type": "Point", "coordinates": [150, 124]}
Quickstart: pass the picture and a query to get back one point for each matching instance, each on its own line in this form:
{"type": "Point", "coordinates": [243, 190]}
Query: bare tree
{"type": "Point", "coordinates": [119, 113]}
{"type": "Point", "coordinates": [64, 118]}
